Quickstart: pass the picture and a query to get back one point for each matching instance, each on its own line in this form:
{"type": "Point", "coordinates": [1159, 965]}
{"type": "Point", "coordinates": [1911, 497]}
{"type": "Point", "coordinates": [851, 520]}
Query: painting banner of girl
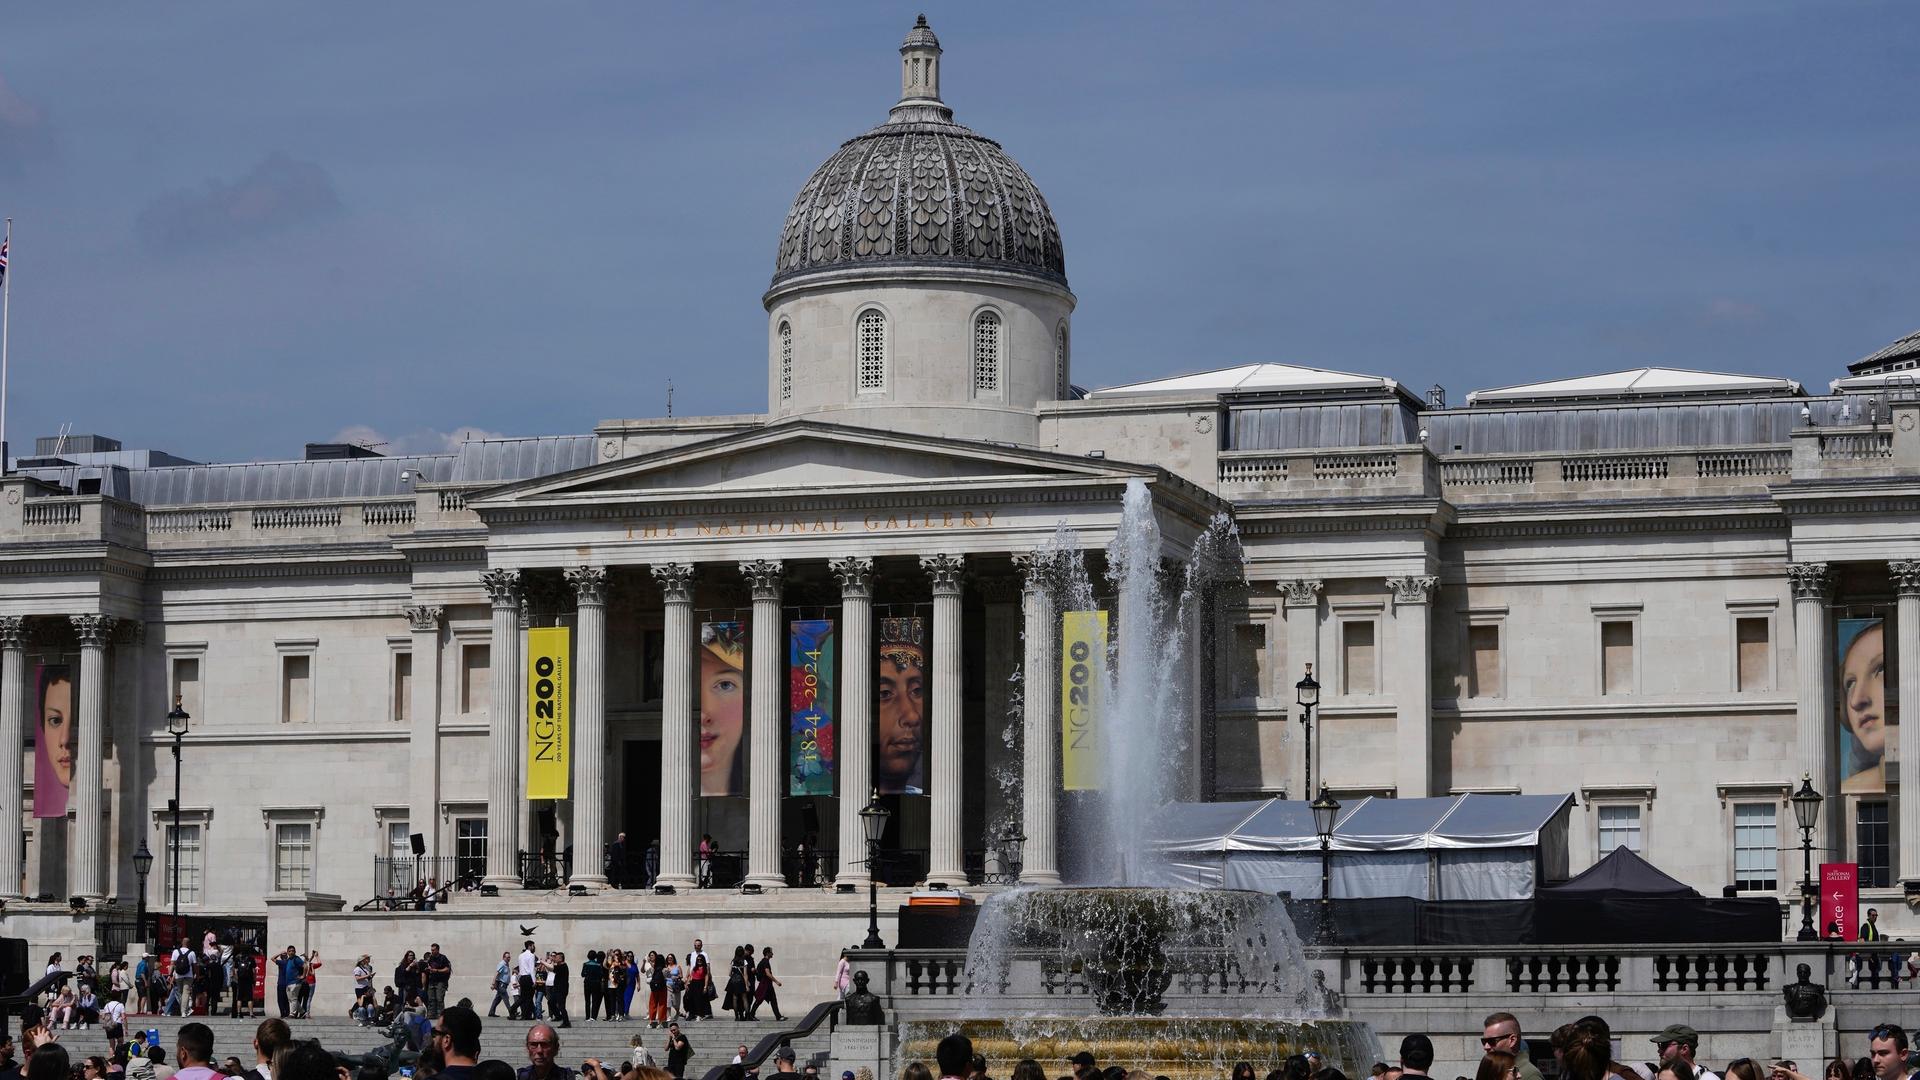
{"type": "Point", "coordinates": [53, 740]}
{"type": "Point", "coordinates": [1868, 729]}
{"type": "Point", "coordinates": [723, 708]}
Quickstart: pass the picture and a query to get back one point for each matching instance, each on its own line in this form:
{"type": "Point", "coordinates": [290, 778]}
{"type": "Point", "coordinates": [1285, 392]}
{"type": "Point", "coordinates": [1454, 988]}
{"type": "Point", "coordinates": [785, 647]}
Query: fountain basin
{"type": "Point", "coordinates": [1180, 1047]}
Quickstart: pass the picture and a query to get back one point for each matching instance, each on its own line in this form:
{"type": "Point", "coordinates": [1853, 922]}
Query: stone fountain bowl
{"type": "Point", "coordinates": [1183, 1048]}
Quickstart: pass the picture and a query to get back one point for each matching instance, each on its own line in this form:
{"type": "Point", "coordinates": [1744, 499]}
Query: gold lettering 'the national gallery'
{"type": "Point", "coordinates": [773, 525]}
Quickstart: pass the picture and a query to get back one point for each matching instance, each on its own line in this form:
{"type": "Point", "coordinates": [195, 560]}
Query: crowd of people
{"type": "Point", "coordinates": [670, 987]}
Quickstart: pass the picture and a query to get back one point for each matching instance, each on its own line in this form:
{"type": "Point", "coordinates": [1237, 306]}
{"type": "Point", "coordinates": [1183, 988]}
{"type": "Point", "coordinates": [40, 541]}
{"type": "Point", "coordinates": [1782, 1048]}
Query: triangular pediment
{"type": "Point", "coordinates": [806, 456]}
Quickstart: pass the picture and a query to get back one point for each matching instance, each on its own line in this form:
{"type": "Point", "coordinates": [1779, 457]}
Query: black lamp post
{"type": "Point", "coordinates": [1806, 812]}
{"type": "Point", "coordinates": [142, 866]}
{"type": "Point", "coordinates": [1307, 693]}
{"type": "Point", "coordinates": [1012, 841]}
{"type": "Point", "coordinates": [176, 727]}
{"type": "Point", "coordinates": [1326, 810]}
{"type": "Point", "coordinates": [873, 817]}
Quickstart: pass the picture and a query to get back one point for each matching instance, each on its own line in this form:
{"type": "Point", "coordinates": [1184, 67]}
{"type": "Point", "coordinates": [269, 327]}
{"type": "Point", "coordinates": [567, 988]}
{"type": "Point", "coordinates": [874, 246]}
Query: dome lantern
{"type": "Point", "coordinates": [920, 72]}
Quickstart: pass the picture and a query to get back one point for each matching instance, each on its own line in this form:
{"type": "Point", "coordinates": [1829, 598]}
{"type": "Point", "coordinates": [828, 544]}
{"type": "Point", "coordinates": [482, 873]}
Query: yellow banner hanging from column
{"type": "Point", "coordinates": [1083, 679]}
{"type": "Point", "coordinates": [549, 711]}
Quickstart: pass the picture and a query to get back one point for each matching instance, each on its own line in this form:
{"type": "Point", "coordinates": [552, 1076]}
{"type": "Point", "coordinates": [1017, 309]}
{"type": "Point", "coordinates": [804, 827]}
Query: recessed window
{"type": "Point", "coordinates": [470, 848]}
{"type": "Point", "coordinates": [986, 353]}
{"type": "Point", "coordinates": [786, 361]}
{"type": "Point", "coordinates": [185, 684]}
{"type": "Point", "coordinates": [1616, 657]}
{"type": "Point", "coordinates": [871, 352]}
{"type": "Point", "coordinates": [476, 679]}
{"type": "Point", "coordinates": [1357, 655]}
{"type": "Point", "coordinates": [185, 847]}
{"type": "Point", "coordinates": [1483, 661]}
{"type": "Point", "coordinates": [1247, 673]}
{"type": "Point", "coordinates": [1619, 828]}
{"type": "Point", "coordinates": [1756, 847]}
{"type": "Point", "coordinates": [1873, 845]}
{"type": "Point", "coordinates": [1755, 653]}
{"type": "Point", "coordinates": [402, 686]}
{"type": "Point", "coordinates": [292, 857]}
{"type": "Point", "coordinates": [296, 688]}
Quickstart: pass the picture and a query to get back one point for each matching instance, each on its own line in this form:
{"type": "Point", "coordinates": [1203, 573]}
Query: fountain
{"type": "Point", "coordinates": [1176, 981]}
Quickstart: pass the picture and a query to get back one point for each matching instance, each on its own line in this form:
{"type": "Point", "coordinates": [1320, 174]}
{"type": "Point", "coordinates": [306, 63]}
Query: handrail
{"type": "Point", "coordinates": [820, 1014]}
{"type": "Point", "coordinates": [12, 1003]}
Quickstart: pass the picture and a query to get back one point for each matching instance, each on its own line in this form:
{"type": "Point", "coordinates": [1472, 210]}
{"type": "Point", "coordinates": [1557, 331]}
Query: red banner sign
{"type": "Point", "coordinates": [1839, 900]}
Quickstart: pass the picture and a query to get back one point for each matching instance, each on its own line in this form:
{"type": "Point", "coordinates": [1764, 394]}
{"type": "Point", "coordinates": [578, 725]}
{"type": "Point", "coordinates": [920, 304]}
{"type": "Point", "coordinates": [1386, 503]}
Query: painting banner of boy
{"type": "Point", "coordinates": [54, 740]}
{"type": "Point", "coordinates": [1868, 727]}
{"type": "Point", "coordinates": [723, 708]}
{"type": "Point", "coordinates": [900, 760]}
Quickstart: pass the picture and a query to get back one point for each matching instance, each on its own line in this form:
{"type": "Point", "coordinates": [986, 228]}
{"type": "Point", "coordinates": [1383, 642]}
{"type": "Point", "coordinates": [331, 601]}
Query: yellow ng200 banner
{"type": "Point", "coordinates": [549, 708]}
{"type": "Point", "coordinates": [1083, 680]}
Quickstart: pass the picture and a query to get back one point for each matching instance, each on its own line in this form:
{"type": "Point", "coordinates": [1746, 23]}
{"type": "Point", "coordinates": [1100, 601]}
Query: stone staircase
{"type": "Point", "coordinates": [714, 1041]}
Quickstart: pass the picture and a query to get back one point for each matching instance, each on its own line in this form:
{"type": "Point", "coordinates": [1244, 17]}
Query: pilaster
{"type": "Point", "coordinates": [1413, 683]}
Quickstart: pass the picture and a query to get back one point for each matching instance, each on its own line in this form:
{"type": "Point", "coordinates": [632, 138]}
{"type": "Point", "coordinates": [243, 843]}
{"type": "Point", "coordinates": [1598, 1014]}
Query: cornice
{"type": "Point", "coordinates": [1816, 503]}
{"type": "Point", "coordinates": [394, 567]}
{"type": "Point", "coordinates": [1468, 530]}
{"type": "Point", "coordinates": [640, 503]}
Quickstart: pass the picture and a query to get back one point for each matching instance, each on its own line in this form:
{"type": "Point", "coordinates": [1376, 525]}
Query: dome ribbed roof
{"type": "Point", "coordinates": [920, 190]}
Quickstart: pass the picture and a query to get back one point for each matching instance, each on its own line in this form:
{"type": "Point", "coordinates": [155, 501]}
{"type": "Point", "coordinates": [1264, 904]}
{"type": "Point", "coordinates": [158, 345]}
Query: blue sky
{"type": "Point", "coordinates": [240, 227]}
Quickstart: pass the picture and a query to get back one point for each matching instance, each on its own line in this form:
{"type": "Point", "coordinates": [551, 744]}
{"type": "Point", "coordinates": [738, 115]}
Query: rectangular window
{"type": "Point", "coordinates": [1755, 653]}
{"type": "Point", "coordinates": [470, 848]}
{"type": "Point", "coordinates": [1873, 845]}
{"type": "Point", "coordinates": [1357, 657]}
{"type": "Point", "coordinates": [186, 684]}
{"type": "Point", "coordinates": [1616, 657]}
{"type": "Point", "coordinates": [296, 683]}
{"type": "Point", "coordinates": [1483, 662]}
{"type": "Point", "coordinates": [402, 686]}
{"type": "Point", "coordinates": [476, 684]}
{"type": "Point", "coordinates": [1619, 828]}
{"type": "Point", "coordinates": [1248, 673]}
{"type": "Point", "coordinates": [399, 859]}
{"type": "Point", "coordinates": [292, 857]}
{"type": "Point", "coordinates": [187, 853]}
{"type": "Point", "coordinates": [1756, 848]}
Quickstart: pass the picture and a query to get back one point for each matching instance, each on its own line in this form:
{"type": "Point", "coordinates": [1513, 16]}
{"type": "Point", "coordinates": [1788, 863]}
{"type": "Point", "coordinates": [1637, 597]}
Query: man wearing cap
{"type": "Point", "coordinates": [1083, 1066]}
{"type": "Point", "coordinates": [783, 1061]}
{"type": "Point", "coordinates": [1416, 1055]}
{"type": "Point", "coordinates": [1680, 1042]}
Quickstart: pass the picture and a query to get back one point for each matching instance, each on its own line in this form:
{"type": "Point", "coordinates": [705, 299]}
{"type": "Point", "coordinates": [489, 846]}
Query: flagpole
{"type": "Point", "coordinates": [6, 316]}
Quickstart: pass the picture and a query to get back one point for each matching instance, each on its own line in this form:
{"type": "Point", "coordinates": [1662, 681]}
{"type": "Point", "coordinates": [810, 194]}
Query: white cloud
{"type": "Point", "coordinates": [424, 441]}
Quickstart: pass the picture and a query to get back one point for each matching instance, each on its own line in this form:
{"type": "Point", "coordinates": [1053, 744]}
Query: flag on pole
{"type": "Point", "coordinates": [3, 260]}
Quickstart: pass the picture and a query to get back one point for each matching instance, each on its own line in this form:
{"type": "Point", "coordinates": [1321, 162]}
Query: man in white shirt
{"type": "Point", "coordinates": [700, 950]}
{"type": "Point", "coordinates": [528, 963]}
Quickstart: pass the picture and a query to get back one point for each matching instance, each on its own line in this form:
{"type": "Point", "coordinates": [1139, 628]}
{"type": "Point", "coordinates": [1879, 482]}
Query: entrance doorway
{"type": "Point", "coordinates": [640, 802]}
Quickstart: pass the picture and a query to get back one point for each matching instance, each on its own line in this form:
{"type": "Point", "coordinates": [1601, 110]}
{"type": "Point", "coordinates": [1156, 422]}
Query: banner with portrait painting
{"type": "Point", "coordinates": [1868, 727]}
{"type": "Point", "coordinates": [810, 681]}
{"type": "Point", "coordinates": [54, 742]}
{"type": "Point", "coordinates": [900, 710]}
{"type": "Point", "coordinates": [723, 708]}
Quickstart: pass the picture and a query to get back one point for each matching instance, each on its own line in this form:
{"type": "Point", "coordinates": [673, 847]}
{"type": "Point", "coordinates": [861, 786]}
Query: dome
{"type": "Point", "coordinates": [920, 190]}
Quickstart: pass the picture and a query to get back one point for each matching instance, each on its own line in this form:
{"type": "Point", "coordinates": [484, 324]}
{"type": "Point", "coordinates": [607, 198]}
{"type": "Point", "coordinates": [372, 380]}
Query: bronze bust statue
{"type": "Point", "coordinates": [1806, 999]}
{"type": "Point", "coordinates": [863, 1008]}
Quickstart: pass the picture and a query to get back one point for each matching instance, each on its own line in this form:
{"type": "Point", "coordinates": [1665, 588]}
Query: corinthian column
{"type": "Point", "coordinates": [1039, 696]}
{"type": "Point", "coordinates": [1813, 652]}
{"type": "Point", "coordinates": [423, 745]}
{"type": "Point", "coordinates": [947, 859]}
{"type": "Point", "coordinates": [766, 765]}
{"type": "Point", "coordinates": [1413, 683]}
{"type": "Point", "coordinates": [13, 716]}
{"type": "Point", "coordinates": [503, 728]}
{"type": "Point", "coordinates": [855, 737]}
{"type": "Point", "coordinates": [679, 781]}
{"type": "Point", "coordinates": [1906, 579]}
{"type": "Point", "coordinates": [589, 723]}
{"type": "Point", "coordinates": [89, 740]}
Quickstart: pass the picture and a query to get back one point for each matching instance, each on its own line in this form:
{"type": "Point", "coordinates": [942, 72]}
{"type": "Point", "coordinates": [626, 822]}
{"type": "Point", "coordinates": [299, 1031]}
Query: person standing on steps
{"type": "Point", "coordinates": [679, 1052]}
{"type": "Point", "coordinates": [558, 979]}
{"type": "Point", "coordinates": [502, 977]}
{"type": "Point", "coordinates": [439, 973]}
{"type": "Point", "coordinates": [764, 992]}
{"type": "Point", "coordinates": [528, 964]}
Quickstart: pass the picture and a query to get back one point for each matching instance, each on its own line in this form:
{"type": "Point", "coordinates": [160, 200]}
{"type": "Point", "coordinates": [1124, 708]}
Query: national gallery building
{"type": "Point", "coordinates": [1670, 593]}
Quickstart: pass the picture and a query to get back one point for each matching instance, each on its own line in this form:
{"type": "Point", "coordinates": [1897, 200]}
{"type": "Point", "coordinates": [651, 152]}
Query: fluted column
{"type": "Point", "coordinates": [1813, 651]}
{"type": "Point", "coordinates": [1301, 599]}
{"type": "Point", "coordinates": [854, 740]}
{"type": "Point", "coordinates": [84, 863]}
{"type": "Point", "coordinates": [947, 859]}
{"type": "Point", "coordinates": [589, 723]}
{"type": "Point", "coordinates": [1413, 683]}
{"type": "Point", "coordinates": [13, 716]}
{"type": "Point", "coordinates": [679, 781]}
{"type": "Point", "coordinates": [1039, 700]}
{"type": "Point", "coordinates": [766, 764]}
{"type": "Point", "coordinates": [1906, 580]}
{"type": "Point", "coordinates": [503, 729]}
{"type": "Point", "coordinates": [423, 750]}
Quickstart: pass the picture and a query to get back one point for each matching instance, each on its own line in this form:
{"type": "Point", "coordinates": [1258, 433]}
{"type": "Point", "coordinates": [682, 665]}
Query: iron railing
{"type": "Point", "coordinates": [544, 869]}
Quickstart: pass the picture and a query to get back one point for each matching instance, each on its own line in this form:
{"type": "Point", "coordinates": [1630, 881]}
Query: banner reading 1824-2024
{"type": "Point", "coordinates": [549, 680]}
{"type": "Point", "coordinates": [810, 707]}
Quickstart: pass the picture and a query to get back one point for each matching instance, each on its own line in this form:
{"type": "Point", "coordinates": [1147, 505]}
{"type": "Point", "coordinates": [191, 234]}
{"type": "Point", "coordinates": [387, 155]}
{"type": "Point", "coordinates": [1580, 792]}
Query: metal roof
{"type": "Point", "coordinates": [1250, 378]}
{"type": "Point", "coordinates": [1907, 348]}
{"type": "Point", "coordinates": [1637, 382]}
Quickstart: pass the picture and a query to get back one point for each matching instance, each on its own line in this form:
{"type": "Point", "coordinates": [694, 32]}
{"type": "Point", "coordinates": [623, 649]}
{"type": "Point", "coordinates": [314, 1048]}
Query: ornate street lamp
{"type": "Point", "coordinates": [142, 866]}
{"type": "Point", "coordinates": [1806, 812]}
{"type": "Point", "coordinates": [1011, 843]}
{"type": "Point", "coordinates": [873, 817]}
{"type": "Point", "coordinates": [1326, 810]}
{"type": "Point", "coordinates": [176, 727]}
{"type": "Point", "coordinates": [1307, 693]}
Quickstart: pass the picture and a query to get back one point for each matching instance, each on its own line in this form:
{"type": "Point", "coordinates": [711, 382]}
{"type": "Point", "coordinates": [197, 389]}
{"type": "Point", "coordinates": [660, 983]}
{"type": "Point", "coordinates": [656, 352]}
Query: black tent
{"type": "Point", "coordinates": [1625, 899]}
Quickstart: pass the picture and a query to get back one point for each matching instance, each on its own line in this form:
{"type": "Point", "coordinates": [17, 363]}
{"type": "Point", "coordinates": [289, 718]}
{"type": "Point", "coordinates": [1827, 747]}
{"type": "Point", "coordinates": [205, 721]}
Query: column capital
{"type": "Point", "coordinates": [1040, 569]}
{"type": "Point", "coordinates": [95, 631]}
{"type": "Point", "coordinates": [763, 577]}
{"type": "Point", "coordinates": [856, 575]}
{"type": "Point", "coordinates": [675, 580]}
{"type": "Point", "coordinates": [13, 631]}
{"type": "Point", "coordinates": [589, 584]}
{"type": "Point", "coordinates": [944, 571]}
{"type": "Point", "coordinates": [1811, 580]}
{"type": "Point", "coordinates": [423, 618]}
{"type": "Point", "coordinates": [1906, 577]}
{"type": "Point", "coordinates": [1300, 592]}
{"type": "Point", "coordinates": [1413, 590]}
{"type": "Point", "coordinates": [503, 587]}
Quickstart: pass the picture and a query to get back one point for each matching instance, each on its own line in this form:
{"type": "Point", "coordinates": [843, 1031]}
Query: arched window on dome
{"type": "Point", "coordinates": [1062, 389]}
{"type": "Point", "coordinates": [986, 353]}
{"type": "Point", "coordinates": [870, 373]}
{"type": "Point", "coordinates": [786, 360]}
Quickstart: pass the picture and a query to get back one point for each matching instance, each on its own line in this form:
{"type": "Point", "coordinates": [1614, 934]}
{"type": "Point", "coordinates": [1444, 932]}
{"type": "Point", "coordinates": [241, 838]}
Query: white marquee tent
{"type": "Point", "coordinates": [1466, 847]}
